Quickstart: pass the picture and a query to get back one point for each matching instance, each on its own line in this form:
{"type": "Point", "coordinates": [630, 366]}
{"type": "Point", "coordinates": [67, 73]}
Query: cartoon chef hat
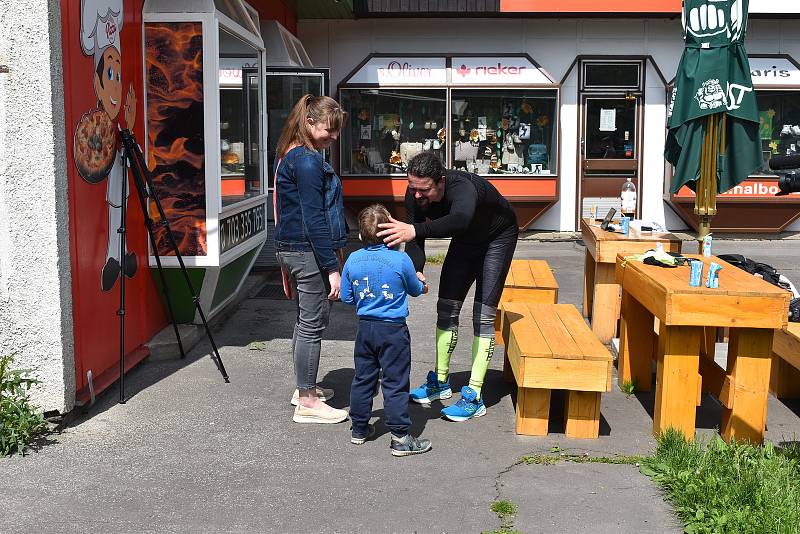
{"type": "Point", "coordinates": [101, 24]}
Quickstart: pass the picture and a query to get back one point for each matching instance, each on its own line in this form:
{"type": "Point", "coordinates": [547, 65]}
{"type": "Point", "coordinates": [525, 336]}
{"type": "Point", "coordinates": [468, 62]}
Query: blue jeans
{"type": "Point", "coordinates": [313, 312]}
{"type": "Point", "coordinates": [387, 346]}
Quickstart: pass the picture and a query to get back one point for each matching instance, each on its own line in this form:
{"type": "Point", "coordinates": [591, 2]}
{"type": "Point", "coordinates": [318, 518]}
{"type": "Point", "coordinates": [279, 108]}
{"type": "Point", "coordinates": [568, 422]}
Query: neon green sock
{"type": "Point", "coordinates": [482, 352]}
{"type": "Point", "coordinates": [445, 345]}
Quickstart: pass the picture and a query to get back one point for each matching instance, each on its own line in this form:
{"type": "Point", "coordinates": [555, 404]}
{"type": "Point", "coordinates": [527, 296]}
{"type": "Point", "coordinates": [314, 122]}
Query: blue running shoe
{"type": "Point", "coordinates": [431, 390]}
{"type": "Point", "coordinates": [467, 407]}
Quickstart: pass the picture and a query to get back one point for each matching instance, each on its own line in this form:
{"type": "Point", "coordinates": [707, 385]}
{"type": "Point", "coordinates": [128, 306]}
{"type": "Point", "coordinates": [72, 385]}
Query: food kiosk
{"type": "Point", "coordinates": [205, 142]}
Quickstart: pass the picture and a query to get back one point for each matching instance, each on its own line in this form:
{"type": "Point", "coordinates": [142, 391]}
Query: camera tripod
{"type": "Point", "coordinates": [132, 155]}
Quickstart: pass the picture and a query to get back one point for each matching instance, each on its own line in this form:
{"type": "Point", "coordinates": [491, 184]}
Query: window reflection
{"type": "Point", "coordinates": [390, 126]}
{"type": "Point", "coordinates": [504, 131]}
{"type": "Point", "coordinates": [240, 124]}
{"type": "Point", "coordinates": [779, 125]}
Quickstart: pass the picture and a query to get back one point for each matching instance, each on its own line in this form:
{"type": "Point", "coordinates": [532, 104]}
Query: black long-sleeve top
{"type": "Point", "coordinates": [471, 211]}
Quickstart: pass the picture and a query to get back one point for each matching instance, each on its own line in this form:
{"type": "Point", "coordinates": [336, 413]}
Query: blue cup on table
{"type": "Point", "coordinates": [696, 273]}
{"type": "Point", "coordinates": [625, 223]}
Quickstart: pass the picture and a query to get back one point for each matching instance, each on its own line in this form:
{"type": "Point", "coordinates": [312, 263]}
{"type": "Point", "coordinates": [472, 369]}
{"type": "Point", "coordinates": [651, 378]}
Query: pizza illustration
{"type": "Point", "coordinates": [95, 145]}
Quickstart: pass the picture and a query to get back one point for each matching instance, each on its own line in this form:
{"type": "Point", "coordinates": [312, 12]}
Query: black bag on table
{"type": "Point", "coordinates": [771, 275]}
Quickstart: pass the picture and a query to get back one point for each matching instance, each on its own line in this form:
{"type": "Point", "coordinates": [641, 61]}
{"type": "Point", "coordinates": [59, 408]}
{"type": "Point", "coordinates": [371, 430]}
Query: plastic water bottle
{"type": "Point", "coordinates": [628, 198]}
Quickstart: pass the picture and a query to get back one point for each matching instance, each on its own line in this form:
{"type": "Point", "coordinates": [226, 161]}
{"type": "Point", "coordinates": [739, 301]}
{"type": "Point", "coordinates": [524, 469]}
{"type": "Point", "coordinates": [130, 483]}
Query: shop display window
{"type": "Point", "coordinates": [387, 127]}
{"type": "Point", "coordinates": [240, 119]}
{"type": "Point", "coordinates": [504, 131]}
{"type": "Point", "coordinates": [779, 125]}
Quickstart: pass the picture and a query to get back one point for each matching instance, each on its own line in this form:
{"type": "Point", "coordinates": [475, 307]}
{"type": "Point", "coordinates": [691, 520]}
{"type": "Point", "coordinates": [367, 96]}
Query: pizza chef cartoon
{"type": "Point", "coordinates": [96, 151]}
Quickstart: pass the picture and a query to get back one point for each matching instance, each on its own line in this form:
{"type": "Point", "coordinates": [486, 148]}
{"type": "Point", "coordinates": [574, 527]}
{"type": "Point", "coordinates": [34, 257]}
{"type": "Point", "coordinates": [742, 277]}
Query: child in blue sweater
{"type": "Point", "coordinates": [378, 280]}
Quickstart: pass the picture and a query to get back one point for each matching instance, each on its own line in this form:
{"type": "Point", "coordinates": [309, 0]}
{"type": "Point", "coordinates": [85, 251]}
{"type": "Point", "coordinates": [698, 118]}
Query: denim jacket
{"type": "Point", "coordinates": [309, 207]}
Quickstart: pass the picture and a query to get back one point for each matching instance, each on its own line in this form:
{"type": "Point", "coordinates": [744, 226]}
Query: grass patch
{"type": "Point", "coordinates": [435, 259]}
{"type": "Point", "coordinates": [719, 487]}
{"type": "Point", "coordinates": [20, 421]}
{"type": "Point", "coordinates": [506, 512]}
{"type": "Point", "coordinates": [628, 387]}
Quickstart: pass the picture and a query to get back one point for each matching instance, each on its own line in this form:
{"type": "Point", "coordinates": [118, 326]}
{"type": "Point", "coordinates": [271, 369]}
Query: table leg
{"type": "Point", "coordinates": [636, 340]}
{"type": "Point", "coordinates": [749, 363]}
{"type": "Point", "coordinates": [605, 304]}
{"type": "Point", "coordinates": [785, 379]}
{"type": "Point", "coordinates": [533, 411]}
{"type": "Point", "coordinates": [588, 284]}
{"type": "Point", "coordinates": [677, 376]}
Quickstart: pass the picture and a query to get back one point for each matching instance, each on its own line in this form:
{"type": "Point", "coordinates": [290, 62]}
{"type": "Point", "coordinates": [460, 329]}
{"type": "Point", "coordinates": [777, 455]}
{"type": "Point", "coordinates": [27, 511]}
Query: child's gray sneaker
{"type": "Point", "coordinates": [408, 445]}
{"type": "Point", "coordinates": [357, 438]}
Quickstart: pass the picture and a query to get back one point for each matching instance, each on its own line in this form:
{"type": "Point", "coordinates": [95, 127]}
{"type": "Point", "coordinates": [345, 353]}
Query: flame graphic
{"type": "Point", "coordinates": [174, 56]}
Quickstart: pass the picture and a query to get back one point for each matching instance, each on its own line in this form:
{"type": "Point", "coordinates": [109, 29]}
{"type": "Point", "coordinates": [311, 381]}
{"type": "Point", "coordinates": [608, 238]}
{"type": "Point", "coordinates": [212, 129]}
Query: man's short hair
{"type": "Point", "coordinates": [426, 165]}
{"type": "Point", "coordinates": [368, 220]}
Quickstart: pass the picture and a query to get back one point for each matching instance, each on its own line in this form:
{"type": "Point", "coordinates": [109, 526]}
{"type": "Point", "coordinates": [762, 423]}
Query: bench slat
{"type": "Point", "coordinates": [557, 335]}
{"type": "Point", "coordinates": [527, 341]}
{"type": "Point", "coordinates": [584, 338]}
{"type": "Point", "coordinates": [521, 272]}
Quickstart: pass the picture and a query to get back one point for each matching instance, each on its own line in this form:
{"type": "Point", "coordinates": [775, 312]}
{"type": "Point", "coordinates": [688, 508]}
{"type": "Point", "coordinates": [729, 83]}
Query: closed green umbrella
{"type": "Point", "coordinates": [713, 137]}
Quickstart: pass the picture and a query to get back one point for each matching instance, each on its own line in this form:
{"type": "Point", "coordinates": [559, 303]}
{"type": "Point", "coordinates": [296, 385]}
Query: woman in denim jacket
{"type": "Point", "coordinates": [310, 232]}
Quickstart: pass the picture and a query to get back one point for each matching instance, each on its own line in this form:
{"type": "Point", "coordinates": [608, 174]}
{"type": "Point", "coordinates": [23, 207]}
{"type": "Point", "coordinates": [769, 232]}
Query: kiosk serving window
{"type": "Point", "coordinates": [389, 127]}
{"type": "Point", "coordinates": [779, 125]}
{"type": "Point", "coordinates": [240, 119]}
{"type": "Point", "coordinates": [503, 131]}
{"type": "Point", "coordinates": [484, 114]}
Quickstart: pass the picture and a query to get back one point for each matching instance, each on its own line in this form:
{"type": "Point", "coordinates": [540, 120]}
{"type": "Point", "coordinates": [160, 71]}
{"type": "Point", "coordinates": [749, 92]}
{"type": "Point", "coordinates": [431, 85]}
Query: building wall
{"type": "Point", "coordinates": [35, 287]}
{"type": "Point", "coordinates": [553, 43]}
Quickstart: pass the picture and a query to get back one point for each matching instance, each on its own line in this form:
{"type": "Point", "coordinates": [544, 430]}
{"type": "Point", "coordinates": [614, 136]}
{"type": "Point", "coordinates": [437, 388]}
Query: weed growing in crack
{"type": "Point", "coordinates": [552, 459]}
{"type": "Point", "coordinates": [506, 511]}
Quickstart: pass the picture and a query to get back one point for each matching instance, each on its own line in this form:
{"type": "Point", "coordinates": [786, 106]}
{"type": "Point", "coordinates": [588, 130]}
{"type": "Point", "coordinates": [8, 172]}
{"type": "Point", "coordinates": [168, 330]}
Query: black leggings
{"type": "Point", "coordinates": [486, 264]}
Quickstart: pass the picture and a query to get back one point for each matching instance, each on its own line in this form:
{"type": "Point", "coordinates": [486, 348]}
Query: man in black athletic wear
{"type": "Point", "coordinates": [483, 227]}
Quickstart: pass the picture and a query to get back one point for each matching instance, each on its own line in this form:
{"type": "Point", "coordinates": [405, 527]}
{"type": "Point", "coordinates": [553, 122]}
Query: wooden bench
{"type": "Point", "coordinates": [785, 376]}
{"type": "Point", "coordinates": [527, 281]}
{"type": "Point", "coordinates": [549, 346]}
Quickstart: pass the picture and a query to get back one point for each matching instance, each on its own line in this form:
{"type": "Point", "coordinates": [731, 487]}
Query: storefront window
{"type": "Point", "coordinates": [390, 126]}
{"type": "Point", "coordinates": [611, 128]}
{"type": "Point", "coordinates": [504, 131]}
{"type": "Point", "coordinates": [779, 125]}
{"type": "Point", "coordinates": [239, 115]}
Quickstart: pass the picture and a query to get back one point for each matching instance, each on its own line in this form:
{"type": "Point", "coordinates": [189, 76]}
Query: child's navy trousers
{"type": "Point", "coordinates": [381, 345]}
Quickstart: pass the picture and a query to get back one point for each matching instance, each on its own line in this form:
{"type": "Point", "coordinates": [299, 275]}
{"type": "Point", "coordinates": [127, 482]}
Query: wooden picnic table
{"type": "Point", "coordinates": [601, 293]}
{"type": "Point", "coordinates": [688, 320]}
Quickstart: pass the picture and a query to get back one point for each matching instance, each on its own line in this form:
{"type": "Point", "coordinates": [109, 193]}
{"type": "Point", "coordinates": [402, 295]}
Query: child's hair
{"type": "Point", "coordinates": [318, 109]}
{"type": "Point", "coordinates": [368, 220]}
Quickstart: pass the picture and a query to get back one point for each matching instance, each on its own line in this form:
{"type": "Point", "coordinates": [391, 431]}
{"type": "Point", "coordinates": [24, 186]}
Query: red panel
{"type": "Point", "coordinates": [96, 324]}
{"type": "Point", "coordinates": [279, 10]}
{"type": "Point", "coordinates": [389, 187]}
{"type": "Point", "coordinates": [590, 6]}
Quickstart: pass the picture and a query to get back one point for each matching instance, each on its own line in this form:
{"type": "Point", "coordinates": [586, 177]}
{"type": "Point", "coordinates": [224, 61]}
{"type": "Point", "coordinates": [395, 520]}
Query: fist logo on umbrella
{"type": "Point", "coordinates": [708, 20]}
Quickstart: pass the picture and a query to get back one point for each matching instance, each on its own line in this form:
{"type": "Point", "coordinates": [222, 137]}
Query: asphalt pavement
{"type": "Point", "coordinates": [189, 453]}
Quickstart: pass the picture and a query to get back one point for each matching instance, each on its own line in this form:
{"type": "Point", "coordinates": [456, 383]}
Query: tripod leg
{"type": "Point", "coordinates": [144, 184]}
{"type": "Point", "coordinates": [163, 278]}
{"type": "Point", "coordinates": [122, 246]}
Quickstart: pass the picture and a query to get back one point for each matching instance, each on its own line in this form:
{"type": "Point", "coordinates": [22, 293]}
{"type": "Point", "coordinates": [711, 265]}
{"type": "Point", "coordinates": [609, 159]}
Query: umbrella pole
{"type": "Point", "coordinates": [706, 191]}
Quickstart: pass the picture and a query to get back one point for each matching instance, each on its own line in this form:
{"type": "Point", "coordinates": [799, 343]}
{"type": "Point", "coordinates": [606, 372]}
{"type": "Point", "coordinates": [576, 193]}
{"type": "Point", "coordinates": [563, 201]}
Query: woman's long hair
{"type": "Point", "coordinates": [319, 109]}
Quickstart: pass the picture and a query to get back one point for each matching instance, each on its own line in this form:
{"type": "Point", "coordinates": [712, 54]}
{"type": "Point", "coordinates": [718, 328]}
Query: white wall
{"type": "Point", "coordinates": [35, 290]}
{"type": "Point", "coordinates": [553, 43]}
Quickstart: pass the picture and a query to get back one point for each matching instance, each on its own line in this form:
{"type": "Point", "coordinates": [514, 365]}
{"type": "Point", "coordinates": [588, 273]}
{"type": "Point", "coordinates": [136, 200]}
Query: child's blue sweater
{"type": "Point", "coordinates": [377, 280]}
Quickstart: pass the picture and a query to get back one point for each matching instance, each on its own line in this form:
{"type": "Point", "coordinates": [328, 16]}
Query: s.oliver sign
{"type": "Point", "coordinates": [402, 71]}
{"type": "Point", "coordinates": [240, 227]}
{"type": "Point", "coordinates": [496, 70]}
